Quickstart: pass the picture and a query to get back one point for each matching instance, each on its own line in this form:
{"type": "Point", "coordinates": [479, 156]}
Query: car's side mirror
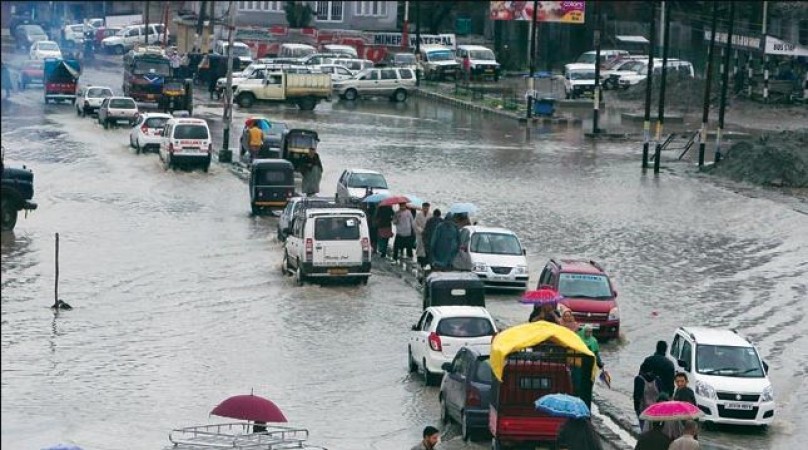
{"type": "Point", "coordinates": [524, 251]}
{"type": "Point", "coordinates": [447, 367]}
{"type": "Point", "coordinates": [765, 367]}
{"type": "Point", "coordinates": [684, 364]}
{"type": "Point", "coordinates": [614, 293]}
{"type": "Point", "coordinates": [414, 328]}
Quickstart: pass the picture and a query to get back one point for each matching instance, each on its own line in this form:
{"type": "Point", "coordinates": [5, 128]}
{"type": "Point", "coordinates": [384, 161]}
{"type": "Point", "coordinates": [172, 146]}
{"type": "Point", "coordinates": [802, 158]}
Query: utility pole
{"type": "Point", "coordinates": [532, 81]}
{"type": "Point", "coordinates": [646, 125]}
{"type": "Point", "coordinates": [661, 112]}
{"type": "Point", "coordinates": [146, 38]}
{"type": "Point", "coordinates": [225, 154]}
{"type": "Point", "coordinates": [765, 55]}
{"type": "Point", "coordinates": [200, 22]}
{"type": "Point", "coordinates": [405, 31]}
{"type": "Point", "coordinates": [596, 92]}
{"type": "Point", "coordinates": [724, 83]}
{"type": "Point", "coordinates": [706, 112]}
{"type": "Point", "coordinates": [418, 69]}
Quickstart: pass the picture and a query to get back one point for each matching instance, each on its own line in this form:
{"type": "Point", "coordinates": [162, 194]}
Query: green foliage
{"type": "Point", "coordinates": [298, 15]}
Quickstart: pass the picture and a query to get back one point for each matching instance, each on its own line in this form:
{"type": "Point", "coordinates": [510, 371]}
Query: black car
{"type": "Point", "coordinates": [465, 392]}
{"type": "Point", "coordinates": [16, 194]}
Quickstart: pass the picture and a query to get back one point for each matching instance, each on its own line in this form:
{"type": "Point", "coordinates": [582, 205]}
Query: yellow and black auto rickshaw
{"type": "Point", "coordinates": [272, 184]}
{"type": "Point", "coordinates": [296, 145]}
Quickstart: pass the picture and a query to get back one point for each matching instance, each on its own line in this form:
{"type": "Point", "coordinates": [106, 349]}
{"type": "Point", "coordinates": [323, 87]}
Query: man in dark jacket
{"type": "Point", "coordinates": [653, 439]}
{"type": "Point", "coordinates": [444, 244]}
{"type": "Point", "coordinates": [661, 366]}
{"type": "Point", "coordinates": [429, 230]}
{"type": "Point", "coordinates": [646, 390]}
{"type": "Point", "coordinates": [683, 393]}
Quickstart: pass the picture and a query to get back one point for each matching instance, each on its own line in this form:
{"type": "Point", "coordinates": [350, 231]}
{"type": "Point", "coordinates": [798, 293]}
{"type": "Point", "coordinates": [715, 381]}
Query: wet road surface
{"type": "Point", "coordinates": [180, 301]}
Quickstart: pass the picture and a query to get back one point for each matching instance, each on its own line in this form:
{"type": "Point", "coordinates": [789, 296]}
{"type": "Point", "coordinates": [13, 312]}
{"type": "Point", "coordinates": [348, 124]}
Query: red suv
{"type": "Point", "coordinates": [587, 292]}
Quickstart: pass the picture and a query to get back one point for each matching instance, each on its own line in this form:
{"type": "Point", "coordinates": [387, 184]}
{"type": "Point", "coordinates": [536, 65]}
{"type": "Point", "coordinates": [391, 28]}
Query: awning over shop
{"type": "Point", "coordinates": [776, 46]}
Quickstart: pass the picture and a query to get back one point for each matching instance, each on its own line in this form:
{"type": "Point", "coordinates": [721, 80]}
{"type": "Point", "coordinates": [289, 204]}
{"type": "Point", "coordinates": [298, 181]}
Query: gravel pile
{"type": "Point", "coordinates": [777, 159]}
{"type": "Point", "coordinates": [685, 94]}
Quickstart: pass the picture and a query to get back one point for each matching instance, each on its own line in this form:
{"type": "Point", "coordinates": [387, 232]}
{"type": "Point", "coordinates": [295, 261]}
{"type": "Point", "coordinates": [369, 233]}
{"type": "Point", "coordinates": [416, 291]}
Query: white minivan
{"type": "Point", "coordinates": [328, 241]}
{"type": "Point", "coordinates": [496, 256]}
{"type": "Point", "coordinates": [186, 141]}
{"type": "Point", "coordinates": [727, 374]}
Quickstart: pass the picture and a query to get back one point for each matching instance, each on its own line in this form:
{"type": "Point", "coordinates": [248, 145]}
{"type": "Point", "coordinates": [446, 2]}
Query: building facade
{"type": "Point", "coordinates": [350, 15]}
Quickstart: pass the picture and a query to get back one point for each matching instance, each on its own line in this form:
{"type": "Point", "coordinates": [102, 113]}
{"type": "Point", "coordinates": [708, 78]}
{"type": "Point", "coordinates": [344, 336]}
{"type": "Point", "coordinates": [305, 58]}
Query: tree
{"type": "Point", "coordinates": [298, 15]}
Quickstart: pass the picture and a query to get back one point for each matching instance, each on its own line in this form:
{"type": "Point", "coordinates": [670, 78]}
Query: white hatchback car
{"type": "Point", "coordinates": [727, 374]}
{"type": "Point", "coordinates": [45, 49]}
{"type": "Point", "coordinates": [441, 332]}
{"type": "Point", "coordinates": [148, 131]}
{"type": "Point", "coordinates": [353, 184]}
{"type": "Point", "coordinates": [496, 255]}
{"type": "Point", "coordinates": [90, 99]}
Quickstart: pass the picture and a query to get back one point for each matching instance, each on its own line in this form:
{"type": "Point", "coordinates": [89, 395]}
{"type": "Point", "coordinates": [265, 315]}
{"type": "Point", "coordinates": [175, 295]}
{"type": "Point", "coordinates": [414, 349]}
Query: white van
{"type": "Point", "coordinates": [328, 241]}
{"type": "Point", "coordinates": [728, 376]}
{"type": "Point", "coordinates": [186, 141]}
{"type": "Point", "coordinates": [340, 49]}
{"type": "Point", "coordinates": [482, 59]}
{"type": "Point", "coordinates": [240, 50]}
{"type": "Point", "coordinates": [438, 62]}
{"type": "Point", "coordinates": [579, 80]}
{"type": "Point", "coordinates": [298, 51]}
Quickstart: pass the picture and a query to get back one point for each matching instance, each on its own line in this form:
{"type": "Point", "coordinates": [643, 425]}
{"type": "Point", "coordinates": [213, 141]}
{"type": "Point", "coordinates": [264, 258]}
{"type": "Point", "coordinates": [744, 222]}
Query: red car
{"type": "Point", "coordinates": [587, 291]}
{"type": "Point", "coordinates": [32, 71]}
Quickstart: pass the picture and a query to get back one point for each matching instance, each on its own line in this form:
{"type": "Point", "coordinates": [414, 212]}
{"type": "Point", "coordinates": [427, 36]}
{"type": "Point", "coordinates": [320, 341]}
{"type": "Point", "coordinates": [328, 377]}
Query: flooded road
{"type": "Point", "coordinates": [180, 302]}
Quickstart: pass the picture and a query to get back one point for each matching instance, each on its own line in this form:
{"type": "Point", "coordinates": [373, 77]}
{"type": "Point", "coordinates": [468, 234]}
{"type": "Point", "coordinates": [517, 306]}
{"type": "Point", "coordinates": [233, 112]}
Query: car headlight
{"type": "Point", "coordinates": [705, 390]}
{"type": "Point", "coordinates": [521, 270]}
{"type": "Point", "coordinates": [768, 394]}
{"type": "Point", "coordinates": [479, 267]}
{"type": "Point", "coordinates": [614, 313]}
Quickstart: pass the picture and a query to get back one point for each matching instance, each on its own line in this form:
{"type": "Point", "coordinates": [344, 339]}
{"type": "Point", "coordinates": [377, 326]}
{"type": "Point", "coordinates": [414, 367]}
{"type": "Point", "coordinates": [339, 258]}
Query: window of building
{"type": "Point", "coordinates": [261, 6]}
{"type": "Point", "coordinates": [370, 9]}
{"type": "Point", "coordinates": [328, 11]}
{"type": "Point", "coordinates": [803, 37]}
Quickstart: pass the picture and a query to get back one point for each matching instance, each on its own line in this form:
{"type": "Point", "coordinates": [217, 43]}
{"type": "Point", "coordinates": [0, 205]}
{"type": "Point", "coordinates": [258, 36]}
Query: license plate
{"type": "Point", "coordinates": [739, 406]}
{"type": "Point", "coordinates": [500, 277]}
{"type": "Point", "coordinates": [190, 150]}
{"type": "Point", "coordinates": [338, 271]}
{"type": "Point", "coordinates": [149, 96]}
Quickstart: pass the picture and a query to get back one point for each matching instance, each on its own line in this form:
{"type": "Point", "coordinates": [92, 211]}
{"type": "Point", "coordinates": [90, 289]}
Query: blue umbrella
{"type": "Point", "coordinates": [415, 200]}
{"type": "Point", "coordinates": [375, 198]}
{"type": "Point", "coordinates": [563, 405]}
{"type": "Point", "coordinates": [63, 447]}
{"type": "Point", "coordinates": [463, 208]}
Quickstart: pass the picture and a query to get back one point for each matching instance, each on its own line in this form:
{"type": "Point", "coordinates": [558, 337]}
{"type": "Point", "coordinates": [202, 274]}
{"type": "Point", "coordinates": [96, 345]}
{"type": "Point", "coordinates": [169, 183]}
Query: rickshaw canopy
{"type": "Point", "coordinates": [532, 334]}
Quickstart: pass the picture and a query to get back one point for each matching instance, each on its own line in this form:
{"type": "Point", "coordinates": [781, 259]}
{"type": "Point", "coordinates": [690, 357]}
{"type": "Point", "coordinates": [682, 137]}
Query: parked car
{"type": "Point", "coordinates": [399, 60]}
{"type": "Point", "coordinates": [337, 72]}
{"type": "Point", "coordinates": [438, 62]}
{"type": "Point", "coordinates": [605, 56]}
{"type": "Point", "coordinates": [341, 49]}
{"type": "Point", "coordinates": [611, 74]}
{"type": "Point", "coordinates": [242, 53]}
{"type": "Point", "coordinates": [147, 133]}
{"type": "Point", "coordinates": [114, 110]}
{"type": "Point", "coordinates": [727, 374]}
{"type": "Point", "coordinates": [315, 60]}
{"type": "Point", "coordinates": [45, 49]}
{"type": "Point", "coordinates": [296, 51]}
{"type": "Point", "coordinates": [186, 141]}
{"type": "Point", "coordinates": [352, 64]}
{"type": "Point", "coordinates": [465, 391]}
{"type": "Point", "coordinates": [130, 36]}
{"type": "Point", "coordinates": [102, 33]}
{"type": "Point", "coordinates": [579, 80]}
{"type": "Point", "coordinates": [676, 69]}
{"type": "Point", "coordinates": [90, 99]}
{"type": "Point", "coordinates": [32, 71]}
{"type": "Point", "coordinates": [26, 35]}
{"type": "Point", "coordinates": [496, 255]}
{"type": "Point", "coordinates": [441, 332]}
{"type": "Point", "coordinates": [395, 83]}
{"type": "Point", "coordinates": [353, 184]}
{"type": "Point", "coordinates": [587, 291]}
{"type": "Point", "coordinates": [483, 62]}
{"type": "Point", "coordinates": [328, 241]}
{"type": "Point", "coordinates": [16, 193]}
{"type": "Point", "coordinates": [292, 206]}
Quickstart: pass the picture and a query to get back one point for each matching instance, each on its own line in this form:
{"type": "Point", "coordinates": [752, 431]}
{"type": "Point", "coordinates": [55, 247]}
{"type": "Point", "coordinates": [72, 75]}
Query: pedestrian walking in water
{"type": "Point", "coordinates": [405, 228]}
{"type": "Point", "coordinates": [421, 218]}
{"type": "Point", "coordinates": [429, 230]}
{"type": "Point", "coordinates": [647, 387]}
{"type": "Point", "coordinates": [384, 227]}
{"type": "Point", "coordinates": [312, 173]}
{"type": "Point", "coordinates": [687, 441]}
{"type": "Point", "coordinates": [445, 244]}
{"type": "Point", "coordinates": [578, 434]}
{"type": "Point", "coordinates": [587, 335]}
{"type": "Point", "coordinates": [653, 439]}
{"type": "Point", "coordinates": [431, 437]}
{"type": "Point", "coordinates": [6, 81]}
{"type": "Point", "coordinates": [662, 367]}
{"type": "Point", "coordinates": [683, 393]}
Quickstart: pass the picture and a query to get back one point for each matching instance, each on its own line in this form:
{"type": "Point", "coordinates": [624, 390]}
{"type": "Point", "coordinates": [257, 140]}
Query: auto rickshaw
{"type": "Point", "coordinates": [453, 288]}
{"type": "Point", "coordinates": [296, 144]}
{"type": "Point", "coordinates": [529, 361]}
{"type": "Point", "coordinates": [272, 184]}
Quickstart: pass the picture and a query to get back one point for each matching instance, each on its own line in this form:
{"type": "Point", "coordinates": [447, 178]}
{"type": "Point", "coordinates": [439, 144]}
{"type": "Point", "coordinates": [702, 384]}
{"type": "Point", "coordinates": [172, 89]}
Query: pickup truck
{"type": "Point", "coordinates": [15, 194]}
{"type": "Point", "coordinates": [303, 89]}
{"type": "Point", "coordinates": [61, 79]}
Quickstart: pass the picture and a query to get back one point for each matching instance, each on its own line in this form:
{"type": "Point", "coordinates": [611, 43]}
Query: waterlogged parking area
{"type": "Point", "coordinates": [180, 301]}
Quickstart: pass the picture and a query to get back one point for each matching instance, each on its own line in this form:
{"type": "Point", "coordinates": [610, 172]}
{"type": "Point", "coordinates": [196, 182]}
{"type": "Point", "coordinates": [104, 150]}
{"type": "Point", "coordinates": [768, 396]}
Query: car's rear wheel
{"type": "Point", "coordinates": [430, 379]}
{"type": "Point", "coordinates": [444, 414]}
{"type": "Point", "coordinates": [351, 94]}
{"type": "Point", "coordinates": [106, 124]}
{"type": "Point", "coordinates": [118, 49]}
{"type": "Point", "coordinates": [411, 362]}
{"type": "Point", "coordinates": [138, 148]}
{"type": "Point", "coordinates": [300, 278]}
{"type": "Point", "coordinates": [245, 100]}
{"type": "Point", "coordinates": [8, 214]}
{"type": "Point", "coordinates": [465, 432]}
{"type": "Point", "coordinates": [400, 95]}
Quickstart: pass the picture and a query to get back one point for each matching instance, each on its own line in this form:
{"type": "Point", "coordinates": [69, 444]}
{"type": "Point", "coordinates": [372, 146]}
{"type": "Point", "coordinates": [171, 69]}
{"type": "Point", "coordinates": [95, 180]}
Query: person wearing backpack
{"type": "Point", "coordinates": [647, 387]}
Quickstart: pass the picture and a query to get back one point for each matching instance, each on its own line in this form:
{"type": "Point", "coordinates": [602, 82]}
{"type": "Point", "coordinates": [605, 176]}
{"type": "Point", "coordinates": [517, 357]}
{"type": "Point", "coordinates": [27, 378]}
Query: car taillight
{"type": "Point", "coordinates": [144, 129]}
{"type": "Point", "coordinates": [309, 250]}
{"type": "Point", "coordinates": [365, 249]}
{"type": "Point", "coordinates": [473, 397]}
{"type": "Point", "coordinates": [170, 148]}
{"type": "Point", "coordinates": [434, 342]}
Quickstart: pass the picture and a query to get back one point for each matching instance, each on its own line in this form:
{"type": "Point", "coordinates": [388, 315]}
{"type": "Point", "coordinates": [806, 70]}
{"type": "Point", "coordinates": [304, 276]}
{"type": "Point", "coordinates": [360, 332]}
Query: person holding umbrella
{"type": "Point", "coordinates": [577, 432]}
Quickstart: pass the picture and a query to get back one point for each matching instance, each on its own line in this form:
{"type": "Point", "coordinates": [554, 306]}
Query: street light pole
{"type": "Point", "coordinates": [765, 55]}
{"type": "Point", "coordinates": [708, 84]}
{"type": "Point", "coordinates": [418, 69]}
{"type": "Point", "coordinates": [405, 32]}
{"type": "Point", "coordinates": [646, 126]}
{"type": "Point", "coordinates": [724, 83]}
{"type": "Point", "coordinates": [661, 112]}
{"type": "Point", "coordinates": [146, 36]}
{"type": "Point", "coordinates": [596, 92]}
{"type": "Point", "coordinates": [225, 154]}
{"type": "Point", "coordinates": [531, 84]}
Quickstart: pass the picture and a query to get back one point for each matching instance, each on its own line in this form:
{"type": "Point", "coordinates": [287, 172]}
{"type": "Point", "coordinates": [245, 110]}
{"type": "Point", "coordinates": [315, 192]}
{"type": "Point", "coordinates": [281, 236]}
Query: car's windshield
{"type": "Point", "coordinates": [277, 128]}
{"type": "Point", "coordinates": [484, 373]}
{"type": "Point", "coordinates": [336, 228]}
{"type": "Point", "coordinates": [486, 55]}
{"type": "Point", "coordinates": [582, 74]}
{"type": "Point", "coordinates": [156, 67]}
{"type": "Point", "coordinates": [465, 327]}
{"type": "Point", "coordinates": [586, 58]}
{"type": "Point", "coordinates": [239, 50]}
{"type": "Point", "coordinates": [728, 361]}
{"type": "Point", "coordinates": [364, 180]}
{"type": "Point", "coordinates": [440, 55]}
{"type": "Point", "coordinates": [275, 177]}
{"type": "Point", "coordinates": [122, 103]}
{"type": "Point", "coordinates": [99, 93]}
{"type": "Point", "coordinates": [156, 122]}
{"type": "Point", "coordinates": [48, 46]}
{"type": "Point", "coordinates": [302, 141]}
{"type": "Point", "coordinates": [495, 244]}
{"type": "Point", "coordinates": [187, 131]}
{"type": "Point", "coordinates": [405, 58]}
{"type": "Point", "coordinates": [584, 285]}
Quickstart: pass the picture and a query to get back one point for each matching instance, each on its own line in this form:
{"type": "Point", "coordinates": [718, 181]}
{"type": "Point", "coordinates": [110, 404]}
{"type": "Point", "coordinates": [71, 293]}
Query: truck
{"type": "Point", "coordinates": [16, 192]}
{"type": "Point", "coordinates": [148, 77]}
{"type": "Point", "coordinates": [61, 79]}
{"type": "Point", "coordinates": [303, 89]}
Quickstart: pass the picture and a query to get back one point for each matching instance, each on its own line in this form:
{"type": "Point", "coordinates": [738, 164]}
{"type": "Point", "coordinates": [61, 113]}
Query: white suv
{"type": "Point", "coordinates": [496, 256]}
{"type": "Point", "coordinates": [186, 141]}
{"type": "Point", "coordinates": [328, 241]}
{"type": "Point", "coordinates": [726, 373]}
{"type": "Point", "coordinates": [130, 36]}
{"type": "Point", "coordinates": [441, 332]}
{"type": "Point", "coordinates": [392, 82]}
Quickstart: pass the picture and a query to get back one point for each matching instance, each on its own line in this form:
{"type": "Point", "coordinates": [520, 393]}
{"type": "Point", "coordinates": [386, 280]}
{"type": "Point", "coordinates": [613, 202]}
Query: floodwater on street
{"type": "Point", "coordinates": [180, 302]}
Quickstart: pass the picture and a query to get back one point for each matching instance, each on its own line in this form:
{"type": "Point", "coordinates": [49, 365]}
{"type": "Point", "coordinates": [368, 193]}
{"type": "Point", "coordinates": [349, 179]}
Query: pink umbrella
{"type": "Point", "coordinates": [394, 200]}
{"type": "Point", "coordinates": [671, 410]}
{"type": "Point", "coordinates": [540, 297]}
{"type": "Point", "coordinates": [249, 407]}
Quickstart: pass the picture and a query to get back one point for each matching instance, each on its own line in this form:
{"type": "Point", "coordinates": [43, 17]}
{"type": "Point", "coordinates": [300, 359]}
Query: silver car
{"type": "Point", "coordinates": [90, 99]}
{"type": "Point", "coordinates": [117, 109]}
{"type": "Point", "coordinates": [393, 82]}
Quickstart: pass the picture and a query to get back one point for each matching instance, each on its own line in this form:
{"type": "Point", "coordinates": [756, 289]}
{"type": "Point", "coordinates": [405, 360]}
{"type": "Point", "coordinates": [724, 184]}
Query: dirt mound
{"type": "Point", "coordinates": [776, 159]}
{"type": "Point", "coordinates": [683, 94]}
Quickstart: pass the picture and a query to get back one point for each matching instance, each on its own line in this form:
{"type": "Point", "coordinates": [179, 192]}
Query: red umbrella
{"type": "Point", "coordinates": [394, 200]}
{"type": "Point", "coordinates": [249, 407]}
{"type": "Point", "coordinates": [540, 297]}
{"type": "Point", "coordinates": [671, 410]}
